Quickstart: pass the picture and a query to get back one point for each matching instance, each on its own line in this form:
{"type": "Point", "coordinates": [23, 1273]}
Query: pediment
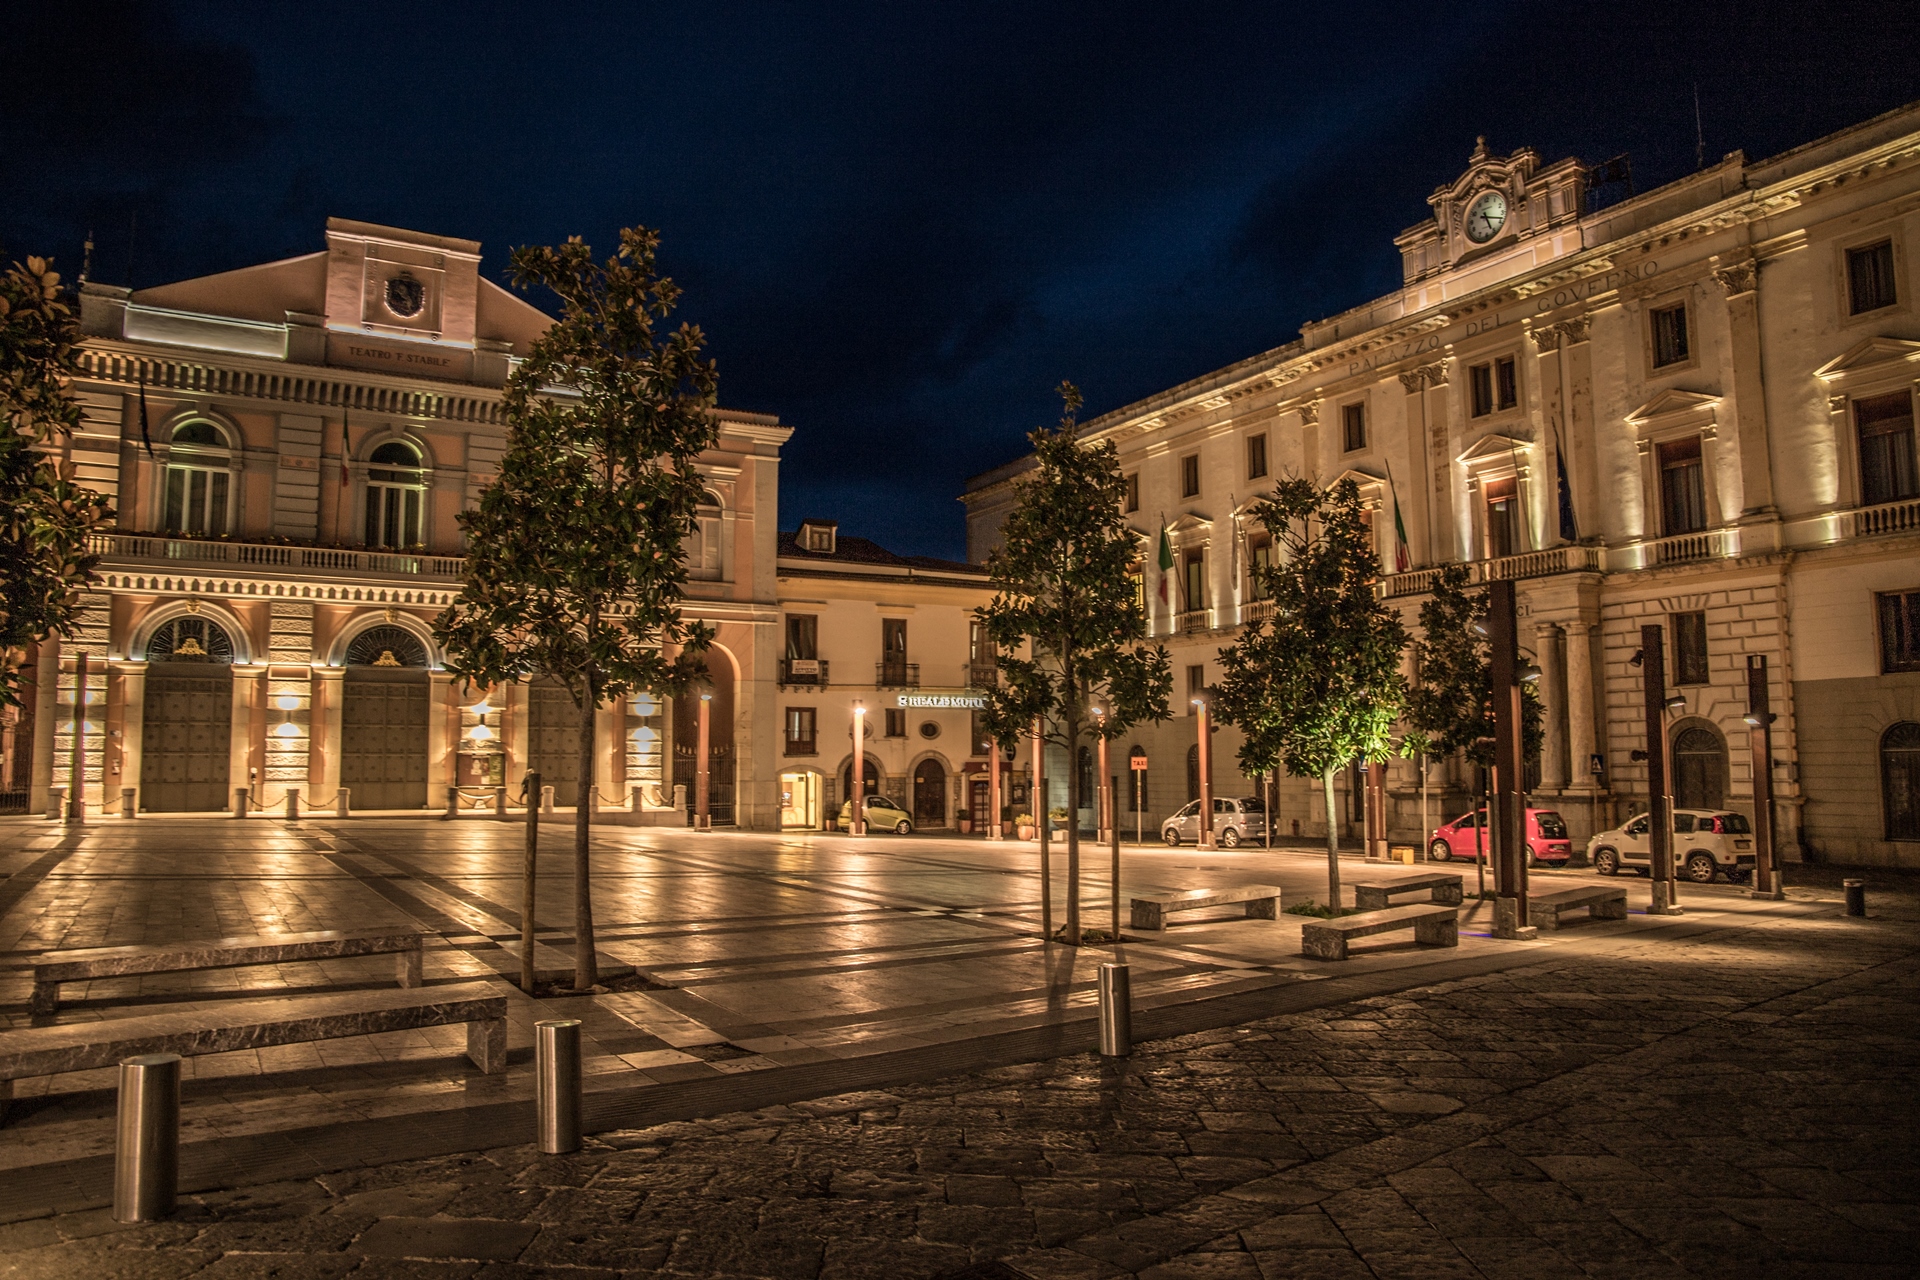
{"type": "Point", "coordinates": [1361, 479]}
{"type": "Point", "coordinates": [1188, 523]}
{"type": "Point", "coordinates": [1494, 445]}
{"type": "Point", "coordinates": [1871, 353]}
{"type": "Point", "coordinates": [1671, 402]}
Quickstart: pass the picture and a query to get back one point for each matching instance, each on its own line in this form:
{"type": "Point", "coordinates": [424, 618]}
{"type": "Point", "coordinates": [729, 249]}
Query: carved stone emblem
{"type": "Point", "coordinates": [406, 297]}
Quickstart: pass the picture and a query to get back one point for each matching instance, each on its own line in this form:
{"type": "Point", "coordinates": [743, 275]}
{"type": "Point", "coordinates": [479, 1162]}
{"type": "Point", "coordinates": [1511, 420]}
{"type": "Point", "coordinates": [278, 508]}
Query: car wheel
{"type": "Point", "coordinates": [1700, 867]}
{"type": "Point", "coordinates": [1440, 851]}
{"type": "Point", "coordinates": [902, 827]}
{"type": "Point", "coordinates": [1229, 839]}
{"type": "Point", "coordinates": [1606, 862]}
{"type": "Point", "coordinates": [1171, 836]}
{"type": "Point", "coordinates": [1532, 861]}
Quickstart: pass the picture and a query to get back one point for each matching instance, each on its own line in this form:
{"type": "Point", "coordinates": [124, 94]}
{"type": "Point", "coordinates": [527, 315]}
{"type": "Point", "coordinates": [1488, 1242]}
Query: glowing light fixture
{"type": "Point", "coordinates": [481, 708]}
{"type": "Point", "coordinates": [286, 729]}
{"type": "Point", "coordinates": [288, 702]}
{"type": "Point", "coordinates": [480, 733]}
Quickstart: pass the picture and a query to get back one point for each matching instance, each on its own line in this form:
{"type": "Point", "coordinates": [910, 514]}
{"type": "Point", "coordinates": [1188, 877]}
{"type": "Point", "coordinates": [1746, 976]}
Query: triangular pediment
{"type": "Point", "coordinates": [1869, 353]}
{"type": "Point", "coordinates": [1187, 523]}
{"type": "Point", "coordinates": [1670, 402]}
{"type": "Point", "coordinates": [1495, 445]}
{"type": "Point", "coordinates": [1361, 479]}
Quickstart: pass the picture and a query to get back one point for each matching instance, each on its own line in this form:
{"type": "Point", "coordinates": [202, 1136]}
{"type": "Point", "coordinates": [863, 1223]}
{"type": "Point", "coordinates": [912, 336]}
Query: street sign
{"type": "Point", "coordinates": [1137, 763]}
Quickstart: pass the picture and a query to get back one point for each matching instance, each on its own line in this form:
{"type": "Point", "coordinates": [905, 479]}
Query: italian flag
{"type": "Point", "coordinates": [1166, 561]}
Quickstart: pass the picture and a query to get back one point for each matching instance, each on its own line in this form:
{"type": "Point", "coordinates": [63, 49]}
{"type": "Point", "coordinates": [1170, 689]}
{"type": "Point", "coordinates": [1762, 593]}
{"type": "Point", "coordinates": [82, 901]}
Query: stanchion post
{"type": "Point", "coordinates": [240, 802]}
{"type": "Point", "coordinates": [293, 804]}
{"type": "Point", "coordinates": [500, 803]}
{"type": "Point", "coordinates": [343, 802]}
{"type": "Point", "coordinates": [146, 1158]}
{"type": "Point", "coordinates": [128, 807]}
{"type": "Point", "coordinates": [556, 1084]}
{"type": "Point", "coordinates": [1856, 891]}
{"type": "Point", "coordinates": [453, 801]}
{"type": "Point", "coordinates": [1116, 1012]}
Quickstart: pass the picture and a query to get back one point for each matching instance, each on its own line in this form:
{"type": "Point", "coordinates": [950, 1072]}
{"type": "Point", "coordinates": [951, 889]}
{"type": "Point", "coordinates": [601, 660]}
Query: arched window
{"type": "Point", "coordinates": [1699, 769]}
{"type": "Point", "coordinates": [199, 480]}
{"type": "Point", "coordinates": [386, 646]}
{"type": "Point", "coordinates": [1900, 780]}
{"type": "Point", "coordinates": [396, 496]}
{"type": "Point", "coordinates": [190, 640]}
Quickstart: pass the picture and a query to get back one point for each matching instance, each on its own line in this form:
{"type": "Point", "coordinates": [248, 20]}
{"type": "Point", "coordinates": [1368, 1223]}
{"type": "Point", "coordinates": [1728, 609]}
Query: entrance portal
{"type": "Point", "coordinates": [383, 720]}
{"type": "Point", "coordinates": [187, 727]}
{"type": "Point", "coordinates": [929, 795]}
{"type": "Point", "coordinates": [553, 740]}
{"type": "Point", "coordinates": [799, 801]}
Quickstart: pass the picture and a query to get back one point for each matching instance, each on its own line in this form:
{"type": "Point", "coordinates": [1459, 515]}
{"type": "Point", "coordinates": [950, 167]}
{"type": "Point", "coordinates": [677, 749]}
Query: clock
{"type": "Point", "coordinates": [1486, 217]}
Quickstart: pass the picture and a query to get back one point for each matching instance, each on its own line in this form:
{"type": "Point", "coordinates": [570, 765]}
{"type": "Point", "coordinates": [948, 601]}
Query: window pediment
{"type": "Point", "coordinates": [1670, 406]}
{"type": "Point", "coordinates": [1495, 446]}
{"type": "Point", "coordinates": [1874, 355]}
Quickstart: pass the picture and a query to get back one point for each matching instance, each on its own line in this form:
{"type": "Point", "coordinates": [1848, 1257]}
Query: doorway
{"type": "Point", "coordinates": [186, 735]}
{"type": "Point", "coordinates": [929, 795]}
{"type": "Point", "coordinates": [799, 801]}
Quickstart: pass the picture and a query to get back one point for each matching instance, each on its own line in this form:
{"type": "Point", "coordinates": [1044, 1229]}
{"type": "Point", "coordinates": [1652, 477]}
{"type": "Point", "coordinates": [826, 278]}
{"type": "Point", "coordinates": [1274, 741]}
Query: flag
{"type": "Point", "coordinates": [1166, 560]}
{"type": "Point", "coordinates": [346, 446]}
{"type": "Point", "coordinates": [1569, 527]}
{"type": "Point", "coordinates": [146, 439]}
{"type": "Point", "coordinates": [1402, 559]}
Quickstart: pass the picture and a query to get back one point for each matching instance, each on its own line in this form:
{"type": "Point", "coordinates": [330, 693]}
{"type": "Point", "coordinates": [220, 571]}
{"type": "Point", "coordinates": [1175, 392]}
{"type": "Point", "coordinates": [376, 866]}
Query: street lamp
{"type": "Point", "coordinates": [1203, 705]}
{"type": "Point", "coordinates": [703, 775]}
{"type": "Point", "coordinates": [857, 802]}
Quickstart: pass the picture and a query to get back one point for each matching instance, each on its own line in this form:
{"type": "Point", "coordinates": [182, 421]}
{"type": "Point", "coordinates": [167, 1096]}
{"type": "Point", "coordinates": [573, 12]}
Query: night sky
{"type": "Point", "coordinates": [900, 224]}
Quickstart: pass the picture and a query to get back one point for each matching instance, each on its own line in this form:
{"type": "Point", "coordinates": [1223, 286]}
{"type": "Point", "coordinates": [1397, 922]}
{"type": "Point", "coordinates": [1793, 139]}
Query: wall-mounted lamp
{"type": "Point", "coordinates": [481, 708]}
{"type": "Point", "coordinates": [1639, 657]}
{"type": "Point", "coordinates": [288, 702]}
{"type": "Point", "coordinates": [286, 729]}
{"type": "Point", "coordinates": [1677, 704]}
{"type": "Point", "coordinates": [1529, 674]}
{"type": "Point", "coordinates": [480, 733]}
{"type": "Point", "coordinates": [1755, 721]}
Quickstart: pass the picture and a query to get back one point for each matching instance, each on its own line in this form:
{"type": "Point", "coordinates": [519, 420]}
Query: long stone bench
{"type": "Point", "coordinates": [1377, 895]}
{"type": "Point", "coordinates": [227, 1025]}
{"type": "Point", "coordinates": [1605, 902]}
{"type": "Point", "coordinates": [1150, 911]}
{"type": "Point", "coordinates": [52, 968]}
{"type": "Point", "coordinates": [1433, 925]}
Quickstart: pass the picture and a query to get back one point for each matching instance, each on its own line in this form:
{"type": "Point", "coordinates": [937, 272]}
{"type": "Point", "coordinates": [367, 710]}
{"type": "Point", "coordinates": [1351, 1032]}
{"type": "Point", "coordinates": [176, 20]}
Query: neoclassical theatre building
{"type": "Point", "coordinates": [288, 446]}
{"type": "Point", "coordinates": [1724, 371]}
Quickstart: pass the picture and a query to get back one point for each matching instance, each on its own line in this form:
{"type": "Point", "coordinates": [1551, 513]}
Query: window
{"type": "Point", "coordinates": [1669, 335]}
{"type": "Point", "coordinates": [1683, 494]}
{"type": "Point", "coordinates": [197, 481]}
{"type": "Point", "coordinates": [396, 496]}
{"type": "Point", "coordinates": [817, 536]}
{"type": "Point", "coordinates": [801, 739]}
{"type": "Point", "coordinates": [1259, 564]}
{"type": "Point", "coordinates": [1870, 279]}
{"type": "Point", "coordinates": [1689, 648]}
{"type": "Point", "coordinates": [803, 632]}
{"type": "Point", "coordinates": [980, 743]}
{"type": "Point", "coordinates": [1885, 424]}
{"type": "Point", "coordinates": [1133, 493]}
{"type": "Point", "coordinates": [1900, 780]}
{"type": "Point", "coordinates": [1494, 386]}
{"type": "Point", "coordinates": [1900, 632]}
{"type": "Point", "coordinates": [893, 651]}
{"type": "Point", "coordinates": [1256, 456]}
{"type": "Point", "coordinates": [1193, 780]}
{"type": "Point", "coordinates": [1699, 772]}
{"type": "Point", "coordinates": [1353, 426]}
{"type": "Point", "coordinates": [1196, 581]}
{"type": "Point", "coordinates": [896, 722]}
{"type": "Point", "coordinates": [1190, 476]}
{"type": "Point", "coordinates": [1503, 517]}
{"type": "Point", "coordinates": [981, 652]}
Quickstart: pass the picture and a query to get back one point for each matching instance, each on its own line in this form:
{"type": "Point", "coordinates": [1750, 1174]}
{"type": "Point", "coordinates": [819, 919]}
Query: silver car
{"type": "Point", "coordinates": [1235, 818]}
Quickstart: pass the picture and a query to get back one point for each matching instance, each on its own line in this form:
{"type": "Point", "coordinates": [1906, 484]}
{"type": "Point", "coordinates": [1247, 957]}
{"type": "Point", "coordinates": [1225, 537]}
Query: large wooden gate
{"type": "Point", "coordinates": [383, 738]}
{"type": "Point", "coordinates": [553, 740]}
{"type": "Point", "coordinates": [186, 737]}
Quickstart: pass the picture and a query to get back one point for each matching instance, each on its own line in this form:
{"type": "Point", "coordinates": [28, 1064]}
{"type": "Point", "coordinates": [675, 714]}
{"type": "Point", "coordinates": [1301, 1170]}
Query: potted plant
{"type": "Point", "coordinates": [966, 824]}
{"type": "Point", "coordinates": [1058, 818]}
{"type": "Point", "coordinates": [1023, 825]}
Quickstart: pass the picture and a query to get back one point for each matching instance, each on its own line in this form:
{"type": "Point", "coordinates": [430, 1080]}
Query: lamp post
{"type": "Point", "coordinates": [1044, 819]}
{"type": "Point", "coordinates": [993, 790]}
{"type": "Point", "coordinates": [702, 767]}
{"type": "Point", "coordinates": [1653, 670]}
{"type": "Point", "coordinates": [856, 803]}
{"type": "Point", "coordinates": [1507, 811]}
{"type": "Point", "coordinates": [1205, 719]}
{"type": "Point", "coordinates": [1766, 869]}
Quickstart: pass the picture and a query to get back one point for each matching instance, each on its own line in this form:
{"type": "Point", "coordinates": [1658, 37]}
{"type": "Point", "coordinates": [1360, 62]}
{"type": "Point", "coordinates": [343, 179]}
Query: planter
{"type": "Point", "coordinates": [1025, 833]}
{"type": "Point", "coordinates": [966, 826]}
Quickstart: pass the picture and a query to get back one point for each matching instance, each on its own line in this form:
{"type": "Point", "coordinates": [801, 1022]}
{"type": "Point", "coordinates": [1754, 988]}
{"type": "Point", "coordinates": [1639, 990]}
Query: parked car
{"type": "Point", "coordinates": [1705, 841]}
{"type": "Point", "coordinates": [882, 815]}
{"type": "Point", "coordinates": [1235, 818]}
{"type": "Point", "coordinates": [1547, 841]}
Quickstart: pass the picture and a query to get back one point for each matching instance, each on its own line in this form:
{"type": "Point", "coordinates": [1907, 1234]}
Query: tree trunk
{"type": "Point", "coordinates": [530, 881]}
{"type": "Point", "coordinates": [1333, 842]}
{"type": "Point", "coordinates": [586, 972]}
{"type": "Point", "coordinates": [1072, 734]}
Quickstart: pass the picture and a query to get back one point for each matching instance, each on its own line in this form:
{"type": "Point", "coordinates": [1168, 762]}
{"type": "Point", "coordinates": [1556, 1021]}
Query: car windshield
{"type": "Point", "coordinates": [1734, 824]}
{"type": "Point", "coordinates": [1552, 825]}
{"type": "Point", "coordinates": [1683, 822]}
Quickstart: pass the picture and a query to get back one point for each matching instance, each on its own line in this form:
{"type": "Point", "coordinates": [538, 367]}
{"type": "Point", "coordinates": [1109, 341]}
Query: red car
{"type": "Point", "coordinates": [1547, 842]}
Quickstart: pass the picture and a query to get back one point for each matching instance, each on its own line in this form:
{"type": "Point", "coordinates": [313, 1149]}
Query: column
{"type": "Point", "coordinates": [516, 738]}
{"type": "Point", "coordinates": [327, 719]}
{"type": "Point", "coordinates": [132, 679]}
{"type": "Point", "coordinates": [46, 707]}
{"type": "Point", "coordinates": [1553, 707]}
{"type": "Point", "coordinates": [246, 695]}
{"type": "Point", "coordinates": [443, 734]}
{"type": "Point", "coordinates": [1581, 740]}
{"type": "Point", "coordinates": [609, 753]}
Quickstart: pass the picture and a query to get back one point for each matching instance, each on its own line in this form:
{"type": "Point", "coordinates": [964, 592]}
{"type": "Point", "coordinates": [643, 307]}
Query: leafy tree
{"type": "Point", "coordinates": [45, 516]}
{"type": "Point", "coordinates": [1064, 593]}
{"type": "Point", "coordinates": [1450, 706]}
{"type": "Point", "coordinates": [1320, 684]}
{"type": "Point", "coordinates": [574, 564]}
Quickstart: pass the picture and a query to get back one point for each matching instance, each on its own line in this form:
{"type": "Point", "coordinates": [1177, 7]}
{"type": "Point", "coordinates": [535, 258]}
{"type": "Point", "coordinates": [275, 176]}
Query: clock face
{"type": "Point", "coordinates": [1486, 217]}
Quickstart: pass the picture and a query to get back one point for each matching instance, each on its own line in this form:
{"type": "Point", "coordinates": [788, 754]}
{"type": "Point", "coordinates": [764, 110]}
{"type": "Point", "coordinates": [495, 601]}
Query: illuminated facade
{"type": "Point", "coordinates": [1723, 369]}
{"type": "Point", "coordinates": [288, 446]}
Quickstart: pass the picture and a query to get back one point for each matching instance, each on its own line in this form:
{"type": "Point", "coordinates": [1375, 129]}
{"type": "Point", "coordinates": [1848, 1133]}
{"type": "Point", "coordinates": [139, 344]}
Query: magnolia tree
{"type": "Point", "coordinates": [1065, 597]}
{"type": "Point", "coordinates": [44, 516]}
{"type": "Point", "coordinates": [574, 562]}
{"type": "Point", "coordinates": [1319, 686]}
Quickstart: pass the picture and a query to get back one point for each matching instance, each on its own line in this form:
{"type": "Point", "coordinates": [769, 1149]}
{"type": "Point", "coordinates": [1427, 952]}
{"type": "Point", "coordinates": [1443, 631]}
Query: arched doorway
{"type": "Point", "coordinates": [1900, 780]}
{"type": "Point", "coordinates": [1699, 769]}
{"type": "Point", "coordinates": [383, 720]}
{"type": "Point", "coordinates": [870, 777]}
{"type": "Point", "coordinates": [186, 734]}
{"type": "Point", "coordinates": [929, 794]}
{"type": "Point", "coordinates": [720, 753]}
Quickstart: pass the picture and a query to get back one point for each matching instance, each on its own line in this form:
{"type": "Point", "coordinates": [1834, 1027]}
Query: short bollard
{"type": "Point", "coordinates": [146, 1158]}
{"type": "Point", "coordinates": [556, 1084]}
{"type": "Point", "coordinates": [127, 807]}
{"type": "Point", "coordinates": [343, 803]}
{"type": "Point", "coordinates": [293, 804]}
{"type": "Point", "coordinates": [1116, 1012]}
{"type": "Point", "coordinates": [500, 803]}
{"type": "Point", "coordinates": [240, 799]}
{"type": "Point", "coordinates": [453, 801]}
{"type": "Point", "coordinates": [546, 799]}
{"type": "Point", "coordinates": [56, 803]}
{"type": "Point", "coordinates": [1856, 896]}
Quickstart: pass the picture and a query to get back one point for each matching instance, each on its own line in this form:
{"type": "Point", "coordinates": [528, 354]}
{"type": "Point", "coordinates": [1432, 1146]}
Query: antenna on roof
{"type": "Point", "coordinates": [1699, 134]}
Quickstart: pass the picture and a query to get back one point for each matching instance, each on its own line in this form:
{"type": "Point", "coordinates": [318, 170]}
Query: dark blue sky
{"type": "Point", "coordinates": [900, 224]}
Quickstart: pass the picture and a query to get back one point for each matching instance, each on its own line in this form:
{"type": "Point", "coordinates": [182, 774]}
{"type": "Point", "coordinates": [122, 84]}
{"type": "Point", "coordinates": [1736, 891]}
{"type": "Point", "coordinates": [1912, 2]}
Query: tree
{"type": "Point", "coordinates": [1320, 684]}
{"type": "Point", "coordinates": [574, 563]}
{"type": "Point", "coordinates": [45, 516]}
{"type": "Point", "coordinates": [1064, 590]}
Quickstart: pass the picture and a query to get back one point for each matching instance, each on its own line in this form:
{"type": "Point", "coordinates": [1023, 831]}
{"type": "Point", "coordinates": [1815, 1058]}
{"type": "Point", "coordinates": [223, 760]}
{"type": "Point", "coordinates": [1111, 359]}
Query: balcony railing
{"type": "Point", "coordinates": [1531, 564]}
{"type": "Point", "coordinates": [982, 675]}
{"type": "Point", "coordinates": [1685, 548]}
{"type": "Point", "coordinates": [1256, 611]}
{"type": "Point", "coordinates": [266, 555]}
{"type": "Point", "coordinates": [896, 675]}
{"type": "Point", "coordinates": [802, 747]}
{"type": "Point", "coordinates": [1887, 517]}
{"type": "Point", "coordinates": [1193, 620]}
{"type": "Point", "coordinates": [803, 671]}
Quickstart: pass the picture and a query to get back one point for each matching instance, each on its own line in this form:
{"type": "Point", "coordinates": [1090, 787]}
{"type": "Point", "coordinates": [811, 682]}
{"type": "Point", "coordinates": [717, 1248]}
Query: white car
{"type": "Point", "coordinates": [1234, 819]}
{"type": "Point", "coordinates": [1705, 841]}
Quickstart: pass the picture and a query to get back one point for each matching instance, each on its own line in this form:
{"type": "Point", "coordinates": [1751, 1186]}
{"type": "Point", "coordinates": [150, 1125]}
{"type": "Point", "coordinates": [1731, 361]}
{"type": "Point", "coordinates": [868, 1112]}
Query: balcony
{"type": "Point", "coordinates": [803, 672]}
{"type": "Point", "coordinates": [1887, 517]}
{"type": "Point", "coordinates": [1256, 611]}
{"type": "Point", "coordinates": [802, 747]}
{"type": "Point", "coordinates": [1531, 564]}
{"type": "Point", "coordinates": [982, 675]}
{"type": "Point", "coordinates": [896, 675]}
{"type": "Point", "coordinates": [273, 556]}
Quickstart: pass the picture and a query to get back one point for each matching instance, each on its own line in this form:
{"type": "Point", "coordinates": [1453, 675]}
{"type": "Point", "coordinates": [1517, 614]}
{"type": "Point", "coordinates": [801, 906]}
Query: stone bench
{"type": "Point", "coordinates": [1151, 911]}
{"type": "Point", "coordinates": [1377, 895]}
{"type": "Point", "coordinates": [1433, 925]}
{"type": "Point", "coordinates": [52, 968]}
{"type": "Point", "coordinates": [227, 1025]}
{"type": "Point", "coordinates": [1606, 902]}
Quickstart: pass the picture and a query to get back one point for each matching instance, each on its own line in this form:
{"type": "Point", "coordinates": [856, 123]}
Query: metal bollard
{"type": "Point", "coordinates": [556, 1084]}
{"type": "Point", "coordinates": [546, 799]}
{"type": "Point", "coordinates": [240, 797]}
{"type": "Point", "coordinates": [633, 798]}
{"type": "Point", "coordinates": [56, 803]}
{"type": "Point", "coordinates": [146, 1158]}
{"type": "Point", "coordinates": [500, 803]}
{"type": "Point", "coordinates": [453, 801]}
{"type": "Point", "coordinates": [293, 804]}
{"type": "Point", "coordinates": [343, 803]}
{"type": "Point", "coordinates": [127, 807]}
{"type": "Point", "coordinates": [1116, 1012]}
{"type": "Point", "coordinates": [1856, 896]}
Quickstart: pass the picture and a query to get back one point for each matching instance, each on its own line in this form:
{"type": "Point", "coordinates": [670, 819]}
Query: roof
{"type": "Point", "coordinates": [862, 552]}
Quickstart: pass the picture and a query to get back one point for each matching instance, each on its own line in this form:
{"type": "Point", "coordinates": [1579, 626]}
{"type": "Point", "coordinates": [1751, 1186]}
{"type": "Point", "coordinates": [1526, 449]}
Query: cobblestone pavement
{"type": "Point", "coordinates": [1738, 1103]}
